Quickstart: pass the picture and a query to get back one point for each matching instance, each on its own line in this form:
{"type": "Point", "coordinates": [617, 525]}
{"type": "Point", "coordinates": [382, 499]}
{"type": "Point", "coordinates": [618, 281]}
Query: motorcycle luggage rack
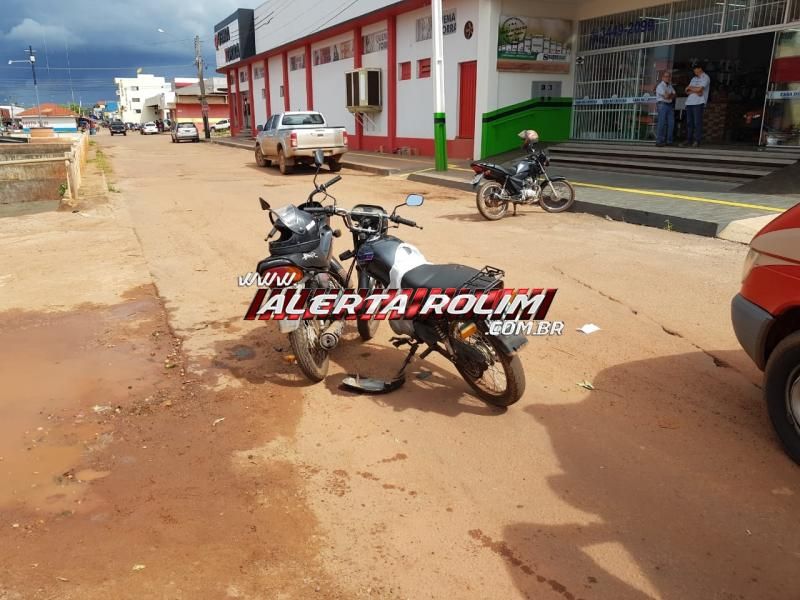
{"type": "Point", "coordinates": [485, 279]}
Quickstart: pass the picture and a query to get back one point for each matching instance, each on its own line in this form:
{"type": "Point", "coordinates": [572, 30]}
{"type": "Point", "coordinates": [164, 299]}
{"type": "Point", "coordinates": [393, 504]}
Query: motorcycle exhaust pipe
{"type": "Point", "coordinates": [329, 338]}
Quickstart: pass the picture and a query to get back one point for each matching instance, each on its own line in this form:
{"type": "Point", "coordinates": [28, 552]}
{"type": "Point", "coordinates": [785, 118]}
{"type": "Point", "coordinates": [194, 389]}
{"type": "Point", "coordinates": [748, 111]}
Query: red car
{"type": "Point", "coordinates": [766, 319]}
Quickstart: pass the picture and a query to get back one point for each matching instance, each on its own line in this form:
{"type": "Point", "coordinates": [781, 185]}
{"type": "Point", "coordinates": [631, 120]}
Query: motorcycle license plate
{"type": "Point", "coordinates": [477, 178]}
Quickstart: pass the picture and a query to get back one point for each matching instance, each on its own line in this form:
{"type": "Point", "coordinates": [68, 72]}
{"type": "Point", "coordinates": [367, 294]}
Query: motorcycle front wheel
{"type": "Point", "coordinates": [489, 205]}
{"type": "Point", "coordinates": [557, 196]}
{"type": "Point", "coordinates": [367, 329]}
{"type": "Point", "coordinates": [311, 357]}
{"type": "Point", "coordinates": [496, 377]}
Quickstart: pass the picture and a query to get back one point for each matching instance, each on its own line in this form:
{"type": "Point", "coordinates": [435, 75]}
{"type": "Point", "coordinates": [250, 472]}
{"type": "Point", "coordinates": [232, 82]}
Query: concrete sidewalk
{"type": "Point", "coordinates": [707, 208]}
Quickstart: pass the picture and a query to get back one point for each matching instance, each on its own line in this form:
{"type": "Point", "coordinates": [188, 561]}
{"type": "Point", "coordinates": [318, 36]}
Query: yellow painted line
{"type": "Point", "coordinates": [680, 197]}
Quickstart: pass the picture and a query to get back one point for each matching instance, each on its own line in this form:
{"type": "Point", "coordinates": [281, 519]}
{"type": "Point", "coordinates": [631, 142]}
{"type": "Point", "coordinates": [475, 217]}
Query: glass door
{"type": "Point", "coordinates": [781, 126]}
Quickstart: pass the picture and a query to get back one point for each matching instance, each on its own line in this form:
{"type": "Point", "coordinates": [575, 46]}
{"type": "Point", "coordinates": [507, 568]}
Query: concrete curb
{"type": "Point", "coordinates": [615, 213]}
{"type": "Point", "coordinates": [347, 164]}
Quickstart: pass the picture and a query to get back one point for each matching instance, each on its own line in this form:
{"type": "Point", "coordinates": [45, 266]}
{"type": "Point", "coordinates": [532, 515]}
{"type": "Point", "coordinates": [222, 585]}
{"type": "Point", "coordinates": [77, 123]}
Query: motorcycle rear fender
{"type": "Point", "coordinates": [509, 344]}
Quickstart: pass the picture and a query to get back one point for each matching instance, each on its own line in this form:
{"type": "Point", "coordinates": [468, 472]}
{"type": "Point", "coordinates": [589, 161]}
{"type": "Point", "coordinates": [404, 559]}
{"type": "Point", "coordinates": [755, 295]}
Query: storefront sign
{"type": "Point", "coordinates": [375, 42]}
{"type": "Point", "coordinates": [644, 99]}
{"type": "Point", "coordinates": [776, 95]}
{"type": "Point", "coordinates": [232, 53]}
{"type": "Point", "coordinates": [533, 44]}
{"type": "Point", "coordinates": [619, 30]}
{"type": "Point", "coordinates": [222, 37]}
{"type": "Point", "coordinates": [449, 25]}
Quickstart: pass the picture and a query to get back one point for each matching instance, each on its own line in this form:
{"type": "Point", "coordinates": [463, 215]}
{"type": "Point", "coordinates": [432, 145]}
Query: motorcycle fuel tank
{"type": "Point", "coordinates": [388, 259]}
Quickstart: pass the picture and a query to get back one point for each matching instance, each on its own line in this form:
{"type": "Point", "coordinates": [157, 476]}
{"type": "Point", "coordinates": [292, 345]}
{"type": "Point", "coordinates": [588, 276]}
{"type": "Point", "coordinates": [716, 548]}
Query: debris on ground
{"type": "Point", "coordinates": [585, 385]}
{"type": "Point", "coordinates": [589, 328]}
{"type": "Point", "coordinates": [217, 421]}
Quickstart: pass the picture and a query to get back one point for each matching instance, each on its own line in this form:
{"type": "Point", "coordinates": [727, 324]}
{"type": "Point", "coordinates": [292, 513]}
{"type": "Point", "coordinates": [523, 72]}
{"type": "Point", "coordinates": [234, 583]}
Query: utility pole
{"type": "Point", "coordinates": [198, 59]}
{"type": "Point", "coordinates": [439, 123]}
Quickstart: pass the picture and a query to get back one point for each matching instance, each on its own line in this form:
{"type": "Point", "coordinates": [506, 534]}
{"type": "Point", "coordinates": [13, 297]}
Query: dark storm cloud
{"type": "Point", "coordinates": [101, 40]}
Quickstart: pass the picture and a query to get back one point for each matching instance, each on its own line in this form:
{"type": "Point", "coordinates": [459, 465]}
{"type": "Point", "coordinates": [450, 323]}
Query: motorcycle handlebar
{"type": "Point", "coordinates": [402, 221]}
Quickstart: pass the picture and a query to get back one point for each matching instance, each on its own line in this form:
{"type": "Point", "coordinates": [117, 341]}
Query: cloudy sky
{"type": "Point", "coordinates": [102, 39]}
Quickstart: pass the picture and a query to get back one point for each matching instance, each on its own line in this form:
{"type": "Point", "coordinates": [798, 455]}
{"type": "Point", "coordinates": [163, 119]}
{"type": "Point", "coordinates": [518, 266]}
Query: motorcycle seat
{"type": "Point", "coordinates": [445, 276]}
{"type": "Point", "coordinates": [507, 170]}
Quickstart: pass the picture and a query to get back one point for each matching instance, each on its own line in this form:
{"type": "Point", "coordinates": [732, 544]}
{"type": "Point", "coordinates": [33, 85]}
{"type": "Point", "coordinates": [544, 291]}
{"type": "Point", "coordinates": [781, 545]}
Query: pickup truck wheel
{"type": "Point", "coordinates": [782, 393]}
{"type": "Point", "coordinates": [285, 169]}
{"type": "Point", "coordinates": [334, 165]}
{"type": "Point", "coordinates": [260, 160]}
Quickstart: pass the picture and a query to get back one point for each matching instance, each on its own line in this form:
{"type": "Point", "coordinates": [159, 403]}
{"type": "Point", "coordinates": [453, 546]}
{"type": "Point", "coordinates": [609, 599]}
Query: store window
{"type": "Point", "coordinates": [242, 76]}
{"type": "Point", "coordinates": [782, 123]}
{"type": "Point", "coordinates": [423, 68]}
{"type": "Point", "coordinates": [405, 70]}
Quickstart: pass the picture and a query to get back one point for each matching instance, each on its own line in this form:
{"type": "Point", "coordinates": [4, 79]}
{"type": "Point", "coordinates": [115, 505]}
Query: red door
{"type": "Point", "coordinates": [467, 90]}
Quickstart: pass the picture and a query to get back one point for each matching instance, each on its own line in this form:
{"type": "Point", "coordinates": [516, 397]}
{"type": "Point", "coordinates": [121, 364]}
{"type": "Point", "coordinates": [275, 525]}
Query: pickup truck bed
{"type": "Point", "coordinates": [291, 138]}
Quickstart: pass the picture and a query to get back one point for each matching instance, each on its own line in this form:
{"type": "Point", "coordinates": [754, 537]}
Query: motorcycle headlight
{"type": "Point", "coordinates": [749, 262]}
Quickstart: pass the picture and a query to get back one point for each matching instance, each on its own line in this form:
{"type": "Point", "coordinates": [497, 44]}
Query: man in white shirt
{"type": "Point", "coordinates": [665, 101]}
{"type": "Point", "coordinates": [696, 101]}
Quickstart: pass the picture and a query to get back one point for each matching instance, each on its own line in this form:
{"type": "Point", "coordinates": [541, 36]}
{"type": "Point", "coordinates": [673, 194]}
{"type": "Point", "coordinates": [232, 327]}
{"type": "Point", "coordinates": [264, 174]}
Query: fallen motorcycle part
{"type": "Point", "coordinates": [370, 385]}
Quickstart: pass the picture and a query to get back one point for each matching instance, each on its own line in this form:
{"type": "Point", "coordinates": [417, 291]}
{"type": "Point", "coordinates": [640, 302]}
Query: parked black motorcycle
{"type": "Point", "coordinates": [527, 182]}
{"type": "Point", "coordinates": [488, 363]}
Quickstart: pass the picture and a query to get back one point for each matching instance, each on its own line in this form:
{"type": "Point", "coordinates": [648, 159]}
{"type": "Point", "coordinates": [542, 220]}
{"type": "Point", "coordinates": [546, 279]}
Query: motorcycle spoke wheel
{"type": "Point", "coordinates": [311, 357]}
{"type": "Point", "coordinates": [557, 196]}
{"type": "Point", "coordinates": [490, 206]}
{"type": "Point", "coordinates": [498, 379]}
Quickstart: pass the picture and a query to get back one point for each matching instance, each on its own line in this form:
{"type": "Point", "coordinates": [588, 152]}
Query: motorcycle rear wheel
{"type": "Point", "coordinates": [511, 367]}
{"type": "Point", "coordinates": [311, 358]}
{"type": "Point", "coordinates": [491, 208]}
{"type": "Point", "coordinates": [557, 196]}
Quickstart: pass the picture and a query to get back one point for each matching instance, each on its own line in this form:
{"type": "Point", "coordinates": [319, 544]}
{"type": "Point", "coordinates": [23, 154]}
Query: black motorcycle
{"type": "Point", "coordinates": [524, 182]}
{"type": "Point", "coordinates": [488, 363]}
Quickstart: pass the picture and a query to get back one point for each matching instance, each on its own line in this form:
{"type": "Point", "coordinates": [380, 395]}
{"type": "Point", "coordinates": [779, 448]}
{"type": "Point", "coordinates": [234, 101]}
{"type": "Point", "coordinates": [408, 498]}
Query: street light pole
{"type": "Point", "coordinates": [439, 123]}
{"type": "Point", "coordinates": [198, 58]}
{"type": "Point", "coordinates": [32, 59]}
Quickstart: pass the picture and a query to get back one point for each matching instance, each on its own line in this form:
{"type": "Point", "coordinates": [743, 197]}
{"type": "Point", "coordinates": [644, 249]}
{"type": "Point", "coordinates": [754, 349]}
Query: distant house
{"type": "Point", "coordinates": [61, 119]}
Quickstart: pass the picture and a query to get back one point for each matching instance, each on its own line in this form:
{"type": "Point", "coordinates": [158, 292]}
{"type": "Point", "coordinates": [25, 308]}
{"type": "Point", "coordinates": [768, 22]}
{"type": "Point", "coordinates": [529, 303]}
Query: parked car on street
{"type": "Point", "coordinates": [116, 127]}
{"type": "Point", "coordinates": [291, 138]}
{"type": "Point", "coordinates": [766, 319]}
{"type": "Point", "coordinates": [185, 131]}
{"type": "Point", "coordinates": [221, 125]}
{"type": "Point", "coordinates": [149, 128]}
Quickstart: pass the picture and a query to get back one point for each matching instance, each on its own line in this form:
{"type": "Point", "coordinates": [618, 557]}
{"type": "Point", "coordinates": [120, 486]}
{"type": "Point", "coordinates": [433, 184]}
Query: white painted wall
{"type": "Point", "coordinates": [329, 86]}
{"type": "Point", "coordinates": [275, 83]}
{"type": "Point", "coordinates": [242, 79]}
{"type": "Point", "coordinates": [259, 101]}
{"type": "Point", "coordinates": [297, 84]}
{"type": "Point", "coordinates": [415, 96]}
{"type": "Point", "coordinates": [378, 125]}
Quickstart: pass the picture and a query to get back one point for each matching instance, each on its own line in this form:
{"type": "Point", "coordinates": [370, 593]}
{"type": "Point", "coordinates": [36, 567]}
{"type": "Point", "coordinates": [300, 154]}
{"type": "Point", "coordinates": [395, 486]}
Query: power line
{"type": "Point", "coordinates": [109, 68]}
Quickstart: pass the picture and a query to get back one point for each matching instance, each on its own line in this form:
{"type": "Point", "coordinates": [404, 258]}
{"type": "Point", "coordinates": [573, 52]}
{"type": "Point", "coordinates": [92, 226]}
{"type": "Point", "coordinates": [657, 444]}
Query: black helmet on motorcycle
{"type": "Point", "coordinates": [300, 232]}
{"type": "Point", "coordinates": [529, 138]}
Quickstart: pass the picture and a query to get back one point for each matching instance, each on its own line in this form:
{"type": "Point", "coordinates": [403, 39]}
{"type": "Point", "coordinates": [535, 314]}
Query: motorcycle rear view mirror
{"type": "Point", "coordinates": [414, 200]}
{"type": "Point", "coordinates": [319, 158]}
{"type": "Point", "coordinates": [264, 204]}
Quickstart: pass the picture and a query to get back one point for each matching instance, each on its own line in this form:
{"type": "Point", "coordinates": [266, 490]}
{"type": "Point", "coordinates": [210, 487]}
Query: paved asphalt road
{"type": "Point", "coordinates": [664, 481]}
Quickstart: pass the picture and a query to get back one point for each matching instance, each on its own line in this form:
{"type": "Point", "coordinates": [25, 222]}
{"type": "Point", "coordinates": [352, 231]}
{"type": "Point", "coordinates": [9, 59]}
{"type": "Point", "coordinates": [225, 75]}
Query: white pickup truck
{"type": "Point", "coordinates": [291, 138]}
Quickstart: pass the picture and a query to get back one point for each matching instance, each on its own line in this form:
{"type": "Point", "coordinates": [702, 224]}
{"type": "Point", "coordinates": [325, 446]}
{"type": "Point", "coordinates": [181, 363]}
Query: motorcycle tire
{"type": "Point", "coordinates": [512, 369]}
{"type": "Point", "coordinates": [367, 329]}
{"type": "Point", "coordinates": [312, 362]}
{"type": "Point", "coordinates": [490, 212]}
{"type": "Point", "coordinates": [564, 196]}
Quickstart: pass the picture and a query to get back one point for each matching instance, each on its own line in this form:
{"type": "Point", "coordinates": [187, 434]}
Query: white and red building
{"type": "Point", "coordinates": [582, 69]}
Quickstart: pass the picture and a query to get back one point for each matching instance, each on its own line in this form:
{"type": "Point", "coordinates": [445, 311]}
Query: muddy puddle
{"type": "Point", "coordinates": [64, 378]}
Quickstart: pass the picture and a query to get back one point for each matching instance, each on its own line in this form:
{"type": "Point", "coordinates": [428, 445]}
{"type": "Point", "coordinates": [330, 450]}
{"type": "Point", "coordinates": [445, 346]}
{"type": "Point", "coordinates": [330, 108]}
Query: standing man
{"type": "Point", "coordinates": [665, 100]}
{"type": "Point", "coordinates": [697, 91]}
